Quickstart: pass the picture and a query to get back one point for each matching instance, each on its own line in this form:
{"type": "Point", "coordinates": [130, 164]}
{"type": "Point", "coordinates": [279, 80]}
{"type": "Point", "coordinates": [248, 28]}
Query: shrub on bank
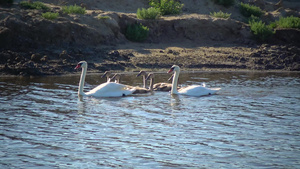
{"type": "Point", "coordinates": [260, 30]}
{"type": "Point", "coordinates": [33, 5]}
{"type": "Point", "coordinates": [247, 10]}
{"type": "Point", "coordinates": [220, 14]}
{"type": "Point", "coordinates": [225, 3]}
{"type": "Point", "coordinates": [73, 9]}
{"type": "Point", "coordinates": [137, 32]}
{"type": "Point", "coordinates": [167, 7]}
{"type": "Point", "coordinates": [150, 13]}
{"type": "Point", "coordinates": [288, 22]}
{"type": "Point", "coordinates": [50, 15]}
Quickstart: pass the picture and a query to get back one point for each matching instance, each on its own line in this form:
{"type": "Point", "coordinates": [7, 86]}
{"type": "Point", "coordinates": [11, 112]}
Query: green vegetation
{"type": "Point", "coordinates": [225, 3]}
{"type": "Point", "coordinates": [288, 22]}
{"type": "Point", "coordinates": [50, 15]}
{"type": "Point", "coordinates": [167, 7]}
{"type": "Point", "coordinates": [6, 2]}
{"type": "Point", "coordinates": [260, 30]}
{"type": "Point", "coordinates": [220, 14]}
{"type": "Point", "coordinates": [137, 32]}
{"type": "Point", "coordinates": [73, 9]}
{"type": "Point", "coordinates": [34, 5]}
{"type": "Point", "coordinates": [103, 17]}
{"type": "Point", "coordinates": [253, 18]}
{"type": "Point", "coordinates": [247, 10]}
{"type": "Point", "coordinates": [150, 13]}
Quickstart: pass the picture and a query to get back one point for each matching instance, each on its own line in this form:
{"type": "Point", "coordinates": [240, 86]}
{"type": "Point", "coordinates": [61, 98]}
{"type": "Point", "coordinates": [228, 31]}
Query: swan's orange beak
{"type": "Point", "coordinates": [77, 67]}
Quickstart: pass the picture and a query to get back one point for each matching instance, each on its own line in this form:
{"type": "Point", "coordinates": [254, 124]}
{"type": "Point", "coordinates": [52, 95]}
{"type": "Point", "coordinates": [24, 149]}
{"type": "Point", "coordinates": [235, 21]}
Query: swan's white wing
{"type": "Point", "coordinates": [110, 89]}
{"type": "Point", "coordinates": [197, 90]}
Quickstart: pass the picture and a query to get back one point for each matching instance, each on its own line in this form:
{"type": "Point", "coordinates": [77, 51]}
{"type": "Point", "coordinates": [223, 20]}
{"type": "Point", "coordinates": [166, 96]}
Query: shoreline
{"type": "Point", "coordinates": [78, 73]}
{"type": "Point", "coordinates": [34, 46]}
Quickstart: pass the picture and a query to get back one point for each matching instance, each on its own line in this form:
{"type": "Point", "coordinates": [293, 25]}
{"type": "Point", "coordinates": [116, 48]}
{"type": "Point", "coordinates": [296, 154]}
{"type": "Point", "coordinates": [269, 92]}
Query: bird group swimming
{"type": "Point", "coordinates": [113, 88]}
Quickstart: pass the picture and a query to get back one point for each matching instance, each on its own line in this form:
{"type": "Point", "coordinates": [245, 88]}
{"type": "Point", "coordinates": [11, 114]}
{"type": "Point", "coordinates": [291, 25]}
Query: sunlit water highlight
{"type": "Point", "coordinates": [253, 122]}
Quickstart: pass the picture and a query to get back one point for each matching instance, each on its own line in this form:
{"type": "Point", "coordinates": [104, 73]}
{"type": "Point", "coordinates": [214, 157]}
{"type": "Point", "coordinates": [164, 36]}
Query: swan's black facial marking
{"type": "Point", "coordinates": [171, 70]}
{"type": "Point", "coordinates": [123, 95]}
{"type": "Point", "coordinates": [78, 65]}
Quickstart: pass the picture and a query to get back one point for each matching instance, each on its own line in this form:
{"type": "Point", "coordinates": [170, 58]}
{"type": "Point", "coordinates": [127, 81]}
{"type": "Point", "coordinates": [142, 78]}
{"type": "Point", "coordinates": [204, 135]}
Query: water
{"type": "Point", "coordinates": [253, 122]}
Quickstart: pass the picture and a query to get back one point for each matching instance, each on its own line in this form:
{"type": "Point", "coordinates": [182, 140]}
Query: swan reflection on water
{"type": "Point", "coordinates": [175, 101]}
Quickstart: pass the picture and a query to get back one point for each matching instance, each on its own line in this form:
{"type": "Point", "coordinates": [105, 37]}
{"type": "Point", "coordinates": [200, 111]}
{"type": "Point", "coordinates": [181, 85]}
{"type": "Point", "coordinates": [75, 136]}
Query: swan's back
{"type": "Point", "coordinates": [110, 89]}
{"type": "Point", "coordinates": [162, 86]}
{"type": "Point", "coordinates": [198, 90]}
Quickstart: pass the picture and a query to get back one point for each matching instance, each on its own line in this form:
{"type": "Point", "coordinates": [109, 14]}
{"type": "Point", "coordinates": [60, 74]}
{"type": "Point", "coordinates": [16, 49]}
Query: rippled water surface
{"type": "Point", "coordinates": [253, 122]}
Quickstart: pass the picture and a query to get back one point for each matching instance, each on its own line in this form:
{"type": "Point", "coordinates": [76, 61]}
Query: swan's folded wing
{"type": "Point", "coordinates": [197, 90]}
{"type": "Point", "coordinates": [110, 89]}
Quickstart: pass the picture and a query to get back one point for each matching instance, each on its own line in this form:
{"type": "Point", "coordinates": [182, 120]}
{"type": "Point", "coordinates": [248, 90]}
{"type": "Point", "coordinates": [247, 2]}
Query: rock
{"type": "Point", "coordinates": [64, 55]}
{"type": "Point", "coordinates": [36, 57]}
{"type": "Point", "coordinates": [44, 58]}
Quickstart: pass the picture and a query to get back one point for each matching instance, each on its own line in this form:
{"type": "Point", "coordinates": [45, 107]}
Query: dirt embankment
{"type": "Point", "coordinates": [31, 45]}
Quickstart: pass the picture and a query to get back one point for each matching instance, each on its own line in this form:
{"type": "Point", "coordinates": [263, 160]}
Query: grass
{"type": "Point", "coordinates": [103, 17]}
{"type": "Point", "coordinates": [150, 13]}
{"type": "Point", "coordinates": [50, 15]}
{"type": "Point", "coordinates": [260, 30]}
{"type": "Point", "coordinates": [247, 10]}
{"type": "Point", "coordinates": [220, 14]}
{"type": "Point", "coordinates": [137, 32]}
{"type": "Point", "coordinates": [288, 22]}
{"type": "Point", "coordinates": [167, 7]}
{"type": "Point", "coordinates": [73, 9]}
{"type": "Point", "coordinates": [34, 5]}
{"type": "Point", "coordinates": [225, 3]}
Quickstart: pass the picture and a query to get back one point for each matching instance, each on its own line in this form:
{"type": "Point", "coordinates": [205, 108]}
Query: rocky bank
{"type": "Point", "coordinates": [32, 45]}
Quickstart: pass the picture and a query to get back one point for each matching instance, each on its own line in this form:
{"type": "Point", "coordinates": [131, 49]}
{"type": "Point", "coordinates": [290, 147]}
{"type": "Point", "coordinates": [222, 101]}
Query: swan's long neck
{"type": "Point", "coordinates": [144, 81]}
{"type": "Point", "coordinates": [174, 82]}
{"type": "Point", "coordinates": [81, 82]}
{"type": "Point", "coordinates": [151, 84]}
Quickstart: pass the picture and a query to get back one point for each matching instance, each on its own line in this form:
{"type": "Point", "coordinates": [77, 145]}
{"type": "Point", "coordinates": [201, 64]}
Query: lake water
{"type": "Point", "coordinates": [253, 122]}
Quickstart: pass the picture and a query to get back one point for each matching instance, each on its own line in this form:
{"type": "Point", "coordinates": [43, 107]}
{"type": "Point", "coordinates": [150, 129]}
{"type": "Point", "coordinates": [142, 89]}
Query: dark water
{"type": "Point", "coordinates": [253, 122]}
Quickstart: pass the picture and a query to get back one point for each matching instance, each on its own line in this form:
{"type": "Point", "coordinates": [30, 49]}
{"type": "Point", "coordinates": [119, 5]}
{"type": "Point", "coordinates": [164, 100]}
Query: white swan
{"type": "Point", "coordinates": [108, 89]}
{"type": "Point", "coordinates": [193, 90]}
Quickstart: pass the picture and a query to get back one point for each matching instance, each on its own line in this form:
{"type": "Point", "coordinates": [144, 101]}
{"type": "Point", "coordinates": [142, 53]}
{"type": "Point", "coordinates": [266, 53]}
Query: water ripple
{"type": "Point", "coordinates": [252, 123]}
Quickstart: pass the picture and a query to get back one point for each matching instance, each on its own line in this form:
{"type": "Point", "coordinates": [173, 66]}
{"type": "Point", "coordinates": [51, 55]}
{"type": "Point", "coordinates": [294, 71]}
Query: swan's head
{"type": "Point", "coordinates": [106, 74]}
{"type": "Point", "coordinates": [141, 73]}
{"type": "Point", "coordinates": [81, 64]}
{"type": "Point", "coordinates": [174, 68]}
{"type": "Point", "coordinates": [150, 76]}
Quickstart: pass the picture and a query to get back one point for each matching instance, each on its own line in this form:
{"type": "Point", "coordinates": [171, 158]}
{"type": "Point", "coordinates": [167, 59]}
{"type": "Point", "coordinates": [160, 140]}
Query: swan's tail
{"type": "Point", "coordinates": [214, 90]}
{"type": "Point", "coordinates": [129, 90]}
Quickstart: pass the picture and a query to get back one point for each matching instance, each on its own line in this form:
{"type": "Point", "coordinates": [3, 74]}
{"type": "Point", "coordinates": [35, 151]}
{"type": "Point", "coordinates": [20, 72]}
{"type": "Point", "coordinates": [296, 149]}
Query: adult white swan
{"type": "Point", "coordinates": [193, 90]}
{"type": "Point", "coordinates": [108, 89]}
